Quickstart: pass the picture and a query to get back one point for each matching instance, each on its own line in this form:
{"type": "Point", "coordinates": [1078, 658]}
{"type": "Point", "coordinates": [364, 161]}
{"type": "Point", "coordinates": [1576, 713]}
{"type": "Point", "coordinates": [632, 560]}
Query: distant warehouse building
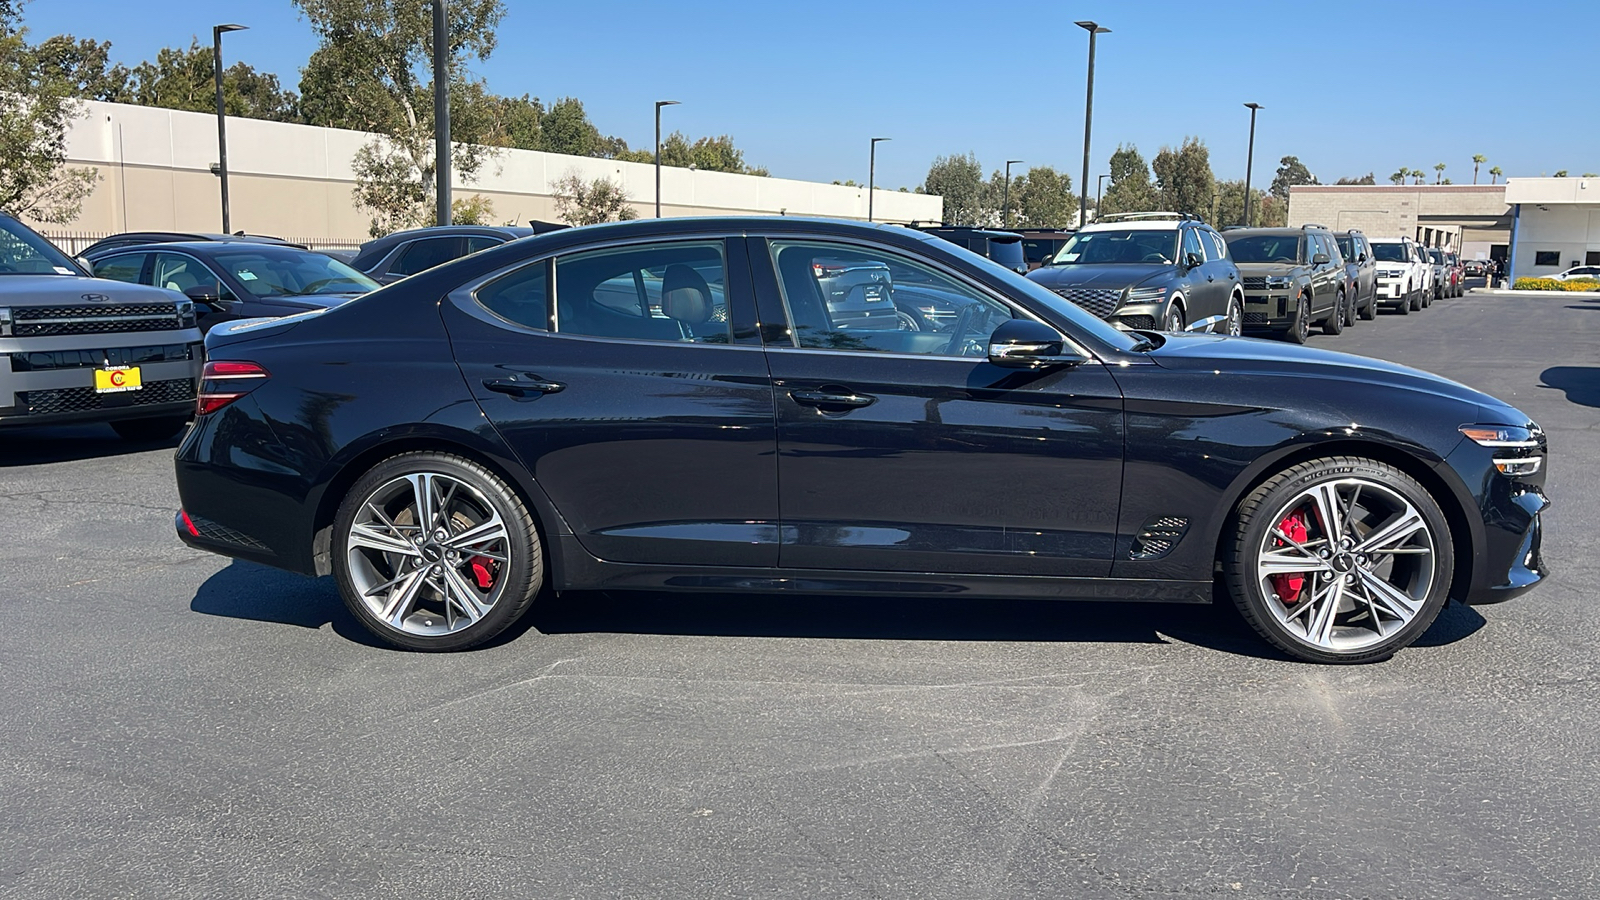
{"type": "Point", "coordinates": [1555, 224]}
{"type": "Point", "coordinates": [1471, 218]}
{"type": "Point", "coordinates": [155, 173]}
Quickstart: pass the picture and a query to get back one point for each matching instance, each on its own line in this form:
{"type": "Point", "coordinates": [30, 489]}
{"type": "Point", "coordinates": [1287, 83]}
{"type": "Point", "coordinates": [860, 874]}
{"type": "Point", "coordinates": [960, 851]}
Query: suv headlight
{"type": "Point", "coordinates": [1280, 282]}
{"type": "Point", "coordinates": [5, 320]}
{"type": "Point", "coordinates": [1145, 295]}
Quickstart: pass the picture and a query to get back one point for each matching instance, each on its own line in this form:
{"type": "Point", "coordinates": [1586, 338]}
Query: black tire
{"type": "Point", "coordinates": [1300, 326]}
{"type": "Point", "coordinates": [1259, 513]}
{"type": "Point", "coordinates": [1414, 301]}
{"type": "Point", "coordinates": [1334, 323]}
{"type": "Point", "coordinates": [516, 582]}
{"type": "Point", "coordinates": [1404, 307]}
{"type": "Point", "coordinates": [1370, 311]}
{"type": "Point", "coordinates": [144, 431]}
{"type": "Point", "coordinates": [1233, 325]}
{"type": "Point", "coordinates": [1173, 321]}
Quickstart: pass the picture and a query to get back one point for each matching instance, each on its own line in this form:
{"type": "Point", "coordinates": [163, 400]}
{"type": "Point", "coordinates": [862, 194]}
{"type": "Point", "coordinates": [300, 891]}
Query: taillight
{"type": "Point", "coordinates": [224, 381]}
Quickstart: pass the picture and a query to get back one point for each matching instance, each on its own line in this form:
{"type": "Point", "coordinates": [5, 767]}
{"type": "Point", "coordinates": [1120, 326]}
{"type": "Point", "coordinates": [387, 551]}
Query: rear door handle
{"type": "Point", "coordinates": [832, 398]}
{"type": "Point", "coordinates": [523, 388]}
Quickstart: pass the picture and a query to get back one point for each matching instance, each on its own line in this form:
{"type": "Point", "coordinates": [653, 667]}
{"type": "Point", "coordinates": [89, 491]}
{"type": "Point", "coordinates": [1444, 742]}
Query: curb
{"type": "Point", "coordinates": [1505, 292]}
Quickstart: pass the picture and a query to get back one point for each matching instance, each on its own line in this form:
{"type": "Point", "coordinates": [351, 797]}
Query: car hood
{"type": "Point", "coordinates": [1253, 356]}
{"type": "Point", "coordinates": [1085, 275]}
{"type": "Point", "coordinates": [61, 290]}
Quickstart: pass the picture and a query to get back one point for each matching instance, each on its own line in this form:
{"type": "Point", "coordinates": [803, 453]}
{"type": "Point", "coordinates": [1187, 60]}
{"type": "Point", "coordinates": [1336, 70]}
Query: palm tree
{"type": "Point", "coordinates": [1438, 167]}
{"type": "Point", "coordinates": [1400, 176]}
{"type": "Point", "coordinates": [1478, 159]}
{"type": "Point", "coordinates": [1417, 175]}
{"type": "Point", "coordinates": [1494, 174]}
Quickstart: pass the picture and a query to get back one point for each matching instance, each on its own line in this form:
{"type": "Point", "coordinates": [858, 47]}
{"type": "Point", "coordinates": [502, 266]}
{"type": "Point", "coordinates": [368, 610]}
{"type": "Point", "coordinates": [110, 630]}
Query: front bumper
{"type": "Point", "coordinates": [1392, 291]}
{"type": "Point", "coordinates": [1267, 309]}
{"type": "Point", "coordinates": [49, 382]}
{"type": "Point", "coordinates": [1507, 559]}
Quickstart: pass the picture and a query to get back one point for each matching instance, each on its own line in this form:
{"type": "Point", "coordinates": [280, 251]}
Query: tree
{"type": "Point", "coordinates": [86, 68]}
{"type": "Point", "coordinates": [1494, 174]}
{"type": "Point", "coordinates": [1184, 176]}
{"type": "Point", "coordinates": [1229, 203]}
{"type": "Point", "coordinates": [959, 180]}
{"type": "Point", "coordinates": [1272, 214]}
{"type": "Point", "coordinates": [1417, 175]}
{"type": "Point", "coordinates": [1439, 169]}
{"type": "Point", "coordinates": [1364, 179]}
{"type": "Point", "coordinates": [1043, 198]}
{"type": "Point", "coordinates": [474, 210]}
{"type": "Point", "coordinates": [1290, 173]}
{"type": "Point", "coordinates": [36, 106]}
{"type": "Point", "coordinates": [186, 79]}
{"type": "Point", "coordinates": [708, 154]}
{"type": "Point", "coordinates": [1478, 159]}
{"type": "Point", "coordinates": [1561, 173]}
{"type": "Point", "coordinates": [1130, 190]}
{"type": "Point", "coordinates": [580, 202]}
{"type": "Point", "coordinates": [1400, 176]}
{"type": "Point", "coordinates": [371, 72]}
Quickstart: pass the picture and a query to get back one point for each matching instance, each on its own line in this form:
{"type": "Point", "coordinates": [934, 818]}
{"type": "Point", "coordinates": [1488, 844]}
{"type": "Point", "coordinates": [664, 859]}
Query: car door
{"type": "Point", "coordinates": [1204, 305]}
{"type": "Point", "coordinates": [906, 451]}
{"type": "Point", "coordinates": [1220, 269]}
{"type": "Point", "coordinates": [1325, 276]}
{"type": "Point", "coordinates": [644, 415]}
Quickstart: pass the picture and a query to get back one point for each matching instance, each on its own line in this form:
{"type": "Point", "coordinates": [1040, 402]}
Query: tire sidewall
{"type": "Point", "coordinates": [524, 576]}
{"type": "Point", "coordinates": [1241, 568]}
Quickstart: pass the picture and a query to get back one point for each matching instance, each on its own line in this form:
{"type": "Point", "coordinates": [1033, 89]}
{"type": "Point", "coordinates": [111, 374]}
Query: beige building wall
{"type": "Point", "coordinates": [297, 181]}
{"type": "Point", "coordinates": [1456, 216]}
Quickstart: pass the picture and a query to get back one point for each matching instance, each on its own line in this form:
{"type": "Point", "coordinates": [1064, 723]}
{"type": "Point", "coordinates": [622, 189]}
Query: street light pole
{"type": "Point", "coordinates": [441, 114]}
{"type": "Point", "coordinates": [1005, 200]}
{"type": "Point", "coordinates": [1088, 121]}
{"type": "Point", "coordinates": [659, 104]}
{"type": "Point", "coordinates": [222, 119]}
{"type": "Point", "coordinates": [1250, 160]}
{"type": "Point", "coordinates": [872, 171]}
{"type": "Point", "coordinates": [1099, 191]}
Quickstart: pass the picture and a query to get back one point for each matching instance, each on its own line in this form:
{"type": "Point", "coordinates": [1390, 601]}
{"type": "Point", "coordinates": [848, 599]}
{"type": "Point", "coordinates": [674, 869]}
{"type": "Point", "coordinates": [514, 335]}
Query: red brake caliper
{"type": "Point", "coordinates": [483, 571]}
{"type": "Point", "coordinates": [1288, 586]}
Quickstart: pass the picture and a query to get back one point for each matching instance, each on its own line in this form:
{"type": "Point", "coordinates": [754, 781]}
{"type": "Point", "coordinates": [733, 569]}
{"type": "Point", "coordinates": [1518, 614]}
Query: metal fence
{"type": "Point", "coordinates": [74, 242]}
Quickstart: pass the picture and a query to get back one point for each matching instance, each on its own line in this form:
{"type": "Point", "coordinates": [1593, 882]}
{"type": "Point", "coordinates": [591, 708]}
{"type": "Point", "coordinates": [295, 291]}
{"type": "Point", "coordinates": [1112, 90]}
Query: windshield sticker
{"type": "Point", "coordinates": [246, 275]}
{"type": "Point", "coordinates": [63, 270]}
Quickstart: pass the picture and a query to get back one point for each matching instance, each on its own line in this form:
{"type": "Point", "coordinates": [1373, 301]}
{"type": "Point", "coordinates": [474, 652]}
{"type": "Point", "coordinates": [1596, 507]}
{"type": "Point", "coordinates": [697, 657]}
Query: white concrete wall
{"type": "Point", "coordinates": [296, 180]}
{"type": "Point", "coordinates": [1557, 214]}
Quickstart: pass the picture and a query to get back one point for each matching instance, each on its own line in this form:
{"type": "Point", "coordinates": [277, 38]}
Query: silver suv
{"type": "Point", "coordinates": [79, 349]}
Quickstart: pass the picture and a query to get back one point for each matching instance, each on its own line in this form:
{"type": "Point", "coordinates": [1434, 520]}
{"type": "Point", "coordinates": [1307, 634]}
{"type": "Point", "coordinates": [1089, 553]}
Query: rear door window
{"type": "Point", "coordinates": [480, 242]}
{"type": "Point", "coordinates": [420, 256]}
{"type": "Point", "coordinates": [654, 292]}
{"type": "Point", "coordinates": [125, 267]}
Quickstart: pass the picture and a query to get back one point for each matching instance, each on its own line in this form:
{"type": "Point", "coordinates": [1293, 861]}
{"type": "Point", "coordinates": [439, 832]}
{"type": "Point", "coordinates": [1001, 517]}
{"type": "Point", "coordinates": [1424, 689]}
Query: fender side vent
{"type": "Point", "coordinates": [1158, 536]}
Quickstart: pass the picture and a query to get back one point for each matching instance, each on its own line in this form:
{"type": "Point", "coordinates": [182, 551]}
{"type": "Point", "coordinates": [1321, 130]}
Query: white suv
{"type": "Point", "coordinates": [1403, 280]}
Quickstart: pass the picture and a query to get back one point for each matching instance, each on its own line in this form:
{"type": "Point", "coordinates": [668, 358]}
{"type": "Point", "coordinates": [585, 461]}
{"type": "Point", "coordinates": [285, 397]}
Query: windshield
{"type": "Point", "coordinates": [291, 273]}
{"type": "Point", "coordinates": [1437, 257]}
{"type": "Point", "coordinates": [1390, 253]}
{"type": "Point", "coordinates": [1264, 248]}
{"type": "Point", "coordinates": [1129, 246]}
{"type": "Point", "coordinates": [22, 252]}
{"type": "Point", "coordinates": [1017, 285]}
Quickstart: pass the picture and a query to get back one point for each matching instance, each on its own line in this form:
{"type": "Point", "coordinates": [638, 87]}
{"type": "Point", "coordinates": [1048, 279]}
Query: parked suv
{"type": "Point", "coordinates": [392, 257]}
{"type": "Point", "coordinates": [1401, 278]}
{"type": "Point", "coordinates": [1156, 270]}
{"type": "Point", "coordinates": [1362, 270]}
{"type": "Point", "coordinates": [1039, 244]}
{"type": "Point", "coordinates": [1293, 278]}
{"type": "Point", "coordinates": [1441, 272]}
{"type": "Point", "coordinates": [74, 348]}
{"type": "Point", "coordinates": [1004, 247]}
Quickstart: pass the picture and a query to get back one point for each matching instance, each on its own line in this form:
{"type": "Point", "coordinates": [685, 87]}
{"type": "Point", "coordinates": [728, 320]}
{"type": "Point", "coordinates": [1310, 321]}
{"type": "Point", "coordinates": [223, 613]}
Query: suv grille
{"type": "Point", "coordinates": [40, 321]}
{"type": "Point", "coordinates": [1255, 284]}
{"type": "Point", "coordinates": [1100, 301]}
{"type": "Point", "coordinates": [84, 399]}
{"type": "Point", "coordinates": [1256, 318]}
{"type": "Point", "coordinates": [1147, 323]}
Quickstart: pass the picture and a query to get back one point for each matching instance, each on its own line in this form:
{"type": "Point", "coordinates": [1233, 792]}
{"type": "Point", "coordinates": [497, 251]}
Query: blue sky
{"type": "Point", "coordinates": [1348, 87]}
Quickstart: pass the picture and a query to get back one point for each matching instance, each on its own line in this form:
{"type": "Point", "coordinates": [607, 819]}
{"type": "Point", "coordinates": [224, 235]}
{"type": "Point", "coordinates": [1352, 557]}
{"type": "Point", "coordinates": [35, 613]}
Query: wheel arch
{"type": "Point", "coordinates": [1465, 539]}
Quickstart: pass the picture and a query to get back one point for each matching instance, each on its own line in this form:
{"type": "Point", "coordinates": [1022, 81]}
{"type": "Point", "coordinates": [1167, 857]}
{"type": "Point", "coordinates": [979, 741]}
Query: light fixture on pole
{"type": "Point", "coordinates": [872, 171]}
{"type": "Point", "coordinates": [1250, 160]}
{"type": "Point", "coordinates": [659, 104]}
{"type": "Point", "coordinates": [1088, 121]}
{"type": "Point", "coordinates": [1099, 191]}
{"type": "Point", "coordinates": [222, 121]}
{"type": "Point", "coordinates": [1005, 198]}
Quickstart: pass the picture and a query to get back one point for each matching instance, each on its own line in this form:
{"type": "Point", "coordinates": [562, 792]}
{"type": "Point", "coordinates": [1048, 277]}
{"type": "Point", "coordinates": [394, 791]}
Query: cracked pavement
{"type": "Point", "coordinates": [177, 725]}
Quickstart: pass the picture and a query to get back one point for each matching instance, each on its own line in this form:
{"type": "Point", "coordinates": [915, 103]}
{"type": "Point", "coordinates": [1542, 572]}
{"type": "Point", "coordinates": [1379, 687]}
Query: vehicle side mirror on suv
{"type": "Point", "coordinates": [1026, 344]}
{"type": "Point", "coordinates": [1192, 260]}
{"type": "Point", "coordinates": [1320, 259]}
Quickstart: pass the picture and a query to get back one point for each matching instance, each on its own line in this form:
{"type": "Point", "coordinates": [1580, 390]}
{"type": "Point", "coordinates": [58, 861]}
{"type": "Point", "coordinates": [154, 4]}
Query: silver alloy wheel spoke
{"type": "Point", "coordinates": [487, 532]}
{"type": "Point", "coordinates": [463, 597]}
{"type": "Point", "coordinates": [1281, 562]}
{"type": "Point", "coordinates": [363, 535]}
{"type": "Point", "coordinates": [402, 597]}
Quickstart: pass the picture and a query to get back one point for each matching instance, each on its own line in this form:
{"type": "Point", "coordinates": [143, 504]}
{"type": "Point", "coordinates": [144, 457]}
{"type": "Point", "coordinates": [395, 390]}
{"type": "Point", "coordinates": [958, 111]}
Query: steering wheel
{"type": "Point", "coordinates": [1154, 257]}
{"type": "Point", "coordinates": [959, 330]}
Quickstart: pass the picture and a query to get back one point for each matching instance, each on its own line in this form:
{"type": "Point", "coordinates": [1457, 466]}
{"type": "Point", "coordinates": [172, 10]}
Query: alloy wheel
{"type": "Point", "coordinates": [426, 553]}
{"type": "Point", "coordinates": [1347, 564]}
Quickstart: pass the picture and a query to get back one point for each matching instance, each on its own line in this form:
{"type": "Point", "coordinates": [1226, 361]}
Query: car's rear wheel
{"type": "Point", "coordinates": [1340, 560]}
{"type": "Point", "coordinates": [148, 430]}
{"type": "Point", "coordinates": [434, 552]}
{"type": "Point", "coordinates": [1300, 327]}
{"type": "Point", "coordinates": [1334, 323]}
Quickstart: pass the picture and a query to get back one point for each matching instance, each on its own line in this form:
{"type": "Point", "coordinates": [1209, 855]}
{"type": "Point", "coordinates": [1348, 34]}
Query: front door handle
{"type": "Point", "coordinates": [832, 398]}
{"type": "Point", "coordinates": [523, 388]}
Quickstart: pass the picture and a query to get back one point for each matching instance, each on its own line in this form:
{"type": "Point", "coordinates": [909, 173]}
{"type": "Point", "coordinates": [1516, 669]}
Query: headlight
{"type": "Point", "coordinates": [5, 320]}
{"type": "Point", "coordinates": [1279, 281]}
{"type": "Point", "coordinates": [1145, 295]}
{"type": "Point", "coordinates": [1509, 437]}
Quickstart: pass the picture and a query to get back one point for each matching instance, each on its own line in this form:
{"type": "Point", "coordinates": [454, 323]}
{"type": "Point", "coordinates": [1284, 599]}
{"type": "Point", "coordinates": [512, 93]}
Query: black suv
{"type": "Point", "coordinates": [1293, 278]}
{"type": "Point", "coordinates": [1155, 270]}
{"type": "Point", "coordinates": [1004, 247]}
{"type": "Point", "coordinates": [1361, 270]}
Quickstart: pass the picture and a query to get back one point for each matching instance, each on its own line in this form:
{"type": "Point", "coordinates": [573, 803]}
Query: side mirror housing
{"type": "Point", "coordinates": [208, 294]}
{"type": "Point", "coordinates": [1026, 344]}
{"type": "Point", "coordinates": [1320, 259]}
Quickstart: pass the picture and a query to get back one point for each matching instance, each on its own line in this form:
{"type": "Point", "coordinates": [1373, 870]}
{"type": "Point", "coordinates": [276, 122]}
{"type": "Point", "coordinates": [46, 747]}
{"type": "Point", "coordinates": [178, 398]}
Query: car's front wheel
{"type": "Point", "coordinates": [1234, 325]}
{"type": "Point", "coordinates": [147, 430]}
{"type": "Point", "coordinates": [433, 551]}
{"type": "Point", "coordinates": [1300, 327]}
{"type": "Point", "coordinates": [1340, 560]}
{"type": "Point", "coordinates": [1174, 319]}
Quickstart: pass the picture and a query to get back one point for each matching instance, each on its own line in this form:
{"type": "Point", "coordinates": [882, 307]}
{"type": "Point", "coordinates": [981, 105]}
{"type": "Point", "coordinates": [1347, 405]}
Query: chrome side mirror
{"type": "Point", "coordinates": [1026, 344]}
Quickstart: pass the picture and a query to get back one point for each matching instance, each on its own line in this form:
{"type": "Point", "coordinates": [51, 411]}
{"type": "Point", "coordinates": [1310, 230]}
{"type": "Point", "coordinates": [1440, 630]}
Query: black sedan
{"type": "Point", "coordinates": [534, 417]}
{"type": "Point", "coordinates": [236, 279]}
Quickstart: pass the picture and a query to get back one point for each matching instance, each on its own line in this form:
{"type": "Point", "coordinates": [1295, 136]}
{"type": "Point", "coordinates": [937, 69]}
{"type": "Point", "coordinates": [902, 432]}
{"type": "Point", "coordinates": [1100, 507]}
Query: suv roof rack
{"type": "Point", "coordinates": [1147, 216]}
{"type": "Point", "coordinates": [1313, 225]}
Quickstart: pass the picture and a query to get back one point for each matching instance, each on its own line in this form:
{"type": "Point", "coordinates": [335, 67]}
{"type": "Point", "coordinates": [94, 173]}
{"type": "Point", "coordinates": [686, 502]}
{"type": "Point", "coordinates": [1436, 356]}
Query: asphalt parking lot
{"type": "Point", "coordinates": [176, 725]}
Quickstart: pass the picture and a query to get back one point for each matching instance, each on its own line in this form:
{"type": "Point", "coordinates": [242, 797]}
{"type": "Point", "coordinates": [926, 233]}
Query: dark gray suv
{"type": "Point", "coordinates": [1158, 271]}
{"type": "Point", "coordinates": [1293, 278]}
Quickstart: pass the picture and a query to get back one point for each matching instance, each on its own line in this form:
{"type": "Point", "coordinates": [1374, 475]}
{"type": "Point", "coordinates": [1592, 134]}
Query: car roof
{"type": "Point", "coordinates": [127, 238]}
{"type": "Point", "coordinates": [1137, 225]}
{"type": "Point", "coordinates": [207, 247]}
{"type": "Point", "coordinates": [373, 250]}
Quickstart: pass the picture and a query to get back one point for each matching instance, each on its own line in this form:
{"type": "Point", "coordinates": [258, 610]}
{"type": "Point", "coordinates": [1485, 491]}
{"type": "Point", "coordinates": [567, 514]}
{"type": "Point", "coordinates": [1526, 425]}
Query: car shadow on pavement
{"type": "Point", "coordinates": [248, 591]}
{"type": "Point", "coordinates": [42, 445]}
{"type": "Point", "coordinates": [1581, 383]}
